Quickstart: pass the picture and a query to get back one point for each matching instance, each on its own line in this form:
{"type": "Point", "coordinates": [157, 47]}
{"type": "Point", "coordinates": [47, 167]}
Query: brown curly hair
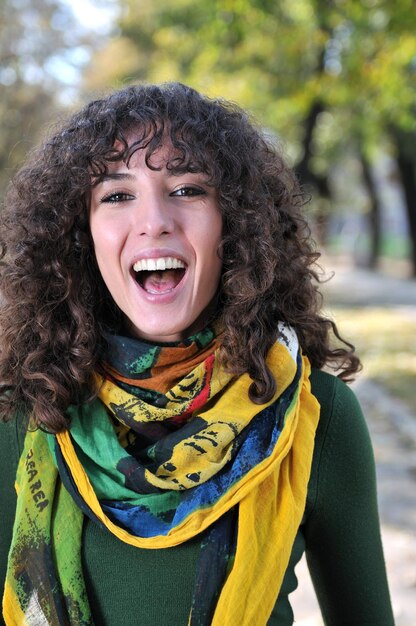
{"type": "Point", "coordinates": [55, 307]}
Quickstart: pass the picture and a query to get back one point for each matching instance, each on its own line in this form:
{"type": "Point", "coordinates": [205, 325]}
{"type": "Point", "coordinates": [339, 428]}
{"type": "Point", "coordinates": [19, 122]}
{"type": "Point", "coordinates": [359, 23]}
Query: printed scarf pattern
{"type": "Point", "coordinates": [157, 464]}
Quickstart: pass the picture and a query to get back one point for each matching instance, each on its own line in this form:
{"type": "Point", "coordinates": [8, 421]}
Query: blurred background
{"type": "Point", "coordinates": [334, 82]}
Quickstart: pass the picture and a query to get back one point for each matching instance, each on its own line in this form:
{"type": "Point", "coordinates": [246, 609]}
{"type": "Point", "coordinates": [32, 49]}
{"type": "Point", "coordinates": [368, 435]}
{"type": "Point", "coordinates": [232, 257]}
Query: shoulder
{"type": "Point", "coordinates": [343, 453]}
{"type": "Point", "coordinates": [341, 414]}
{"type": "Point", "coordinates": [12, 435]}
{"type": "Point", "coordinates": [342, 513]}
{"type": "Point", "coordinates": [333, 394]}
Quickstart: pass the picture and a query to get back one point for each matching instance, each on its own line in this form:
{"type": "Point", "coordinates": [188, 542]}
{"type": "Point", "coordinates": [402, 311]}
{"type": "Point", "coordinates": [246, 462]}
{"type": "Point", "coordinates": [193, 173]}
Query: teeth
{"type": "Point", "coordinates": [163, 263]}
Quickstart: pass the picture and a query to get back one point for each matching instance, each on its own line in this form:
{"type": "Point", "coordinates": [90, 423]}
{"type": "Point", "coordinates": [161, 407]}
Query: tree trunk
{"type": "Point", "coordinates": [306, 176]}
{"type": "Point", "coordinates": [406, 163]}
{"type": "Point", "coordinates": [308, 179]}
{"type": "Point", "coordinates": [374, 213]}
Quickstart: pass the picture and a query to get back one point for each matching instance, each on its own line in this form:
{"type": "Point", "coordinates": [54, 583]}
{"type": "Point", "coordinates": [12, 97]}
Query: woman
{"type": "Point", "coordinates": [159, 321]}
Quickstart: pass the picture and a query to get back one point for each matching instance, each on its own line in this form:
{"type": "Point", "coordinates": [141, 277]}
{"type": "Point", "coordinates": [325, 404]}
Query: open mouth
{"type": "Point", "coordinates": [159, 276]}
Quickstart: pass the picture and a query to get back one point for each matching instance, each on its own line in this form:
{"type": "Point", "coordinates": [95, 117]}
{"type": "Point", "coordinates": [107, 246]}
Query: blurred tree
{"type": "Point", "coordinates": [405, 142]}
{"type": "Point", "coordinates": [38, 41]}
{"type": "Point", "coordinates": [290, 63]}
{"type": "Point", "coordinates": [374, 212]}
{"type": "Point", "coordinates": [23, 111]}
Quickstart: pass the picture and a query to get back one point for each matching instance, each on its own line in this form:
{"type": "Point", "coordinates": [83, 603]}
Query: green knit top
{"type": "Point", "coordinates": [340, 532]}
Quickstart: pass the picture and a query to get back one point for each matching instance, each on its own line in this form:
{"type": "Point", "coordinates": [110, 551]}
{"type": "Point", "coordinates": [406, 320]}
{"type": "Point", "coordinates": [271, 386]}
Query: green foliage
{"type": "Point", "coordinates": [37, 39]}
{"type": "Point", "coordinates": [332, 77]}
{"type": "Point", "coordinates": [277, 58]}
{"type": "Point", "coordinates": [24, 110]}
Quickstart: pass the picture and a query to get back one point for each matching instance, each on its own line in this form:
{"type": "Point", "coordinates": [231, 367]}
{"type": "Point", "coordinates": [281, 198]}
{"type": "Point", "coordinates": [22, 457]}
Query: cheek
{"type": "Point", "coordinates": [212, 260]}
{"type": "Point", "coordinates": [106, 238]}
{"type": "Point", "coordinates": [105, 250]}
{"type": "Point", "coordinates": [97, 232]}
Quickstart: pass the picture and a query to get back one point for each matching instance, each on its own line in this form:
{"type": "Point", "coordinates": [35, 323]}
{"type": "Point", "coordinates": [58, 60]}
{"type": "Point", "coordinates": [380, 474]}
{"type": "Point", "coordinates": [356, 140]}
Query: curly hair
{"type": "Point", "coordinates": [55, 308]}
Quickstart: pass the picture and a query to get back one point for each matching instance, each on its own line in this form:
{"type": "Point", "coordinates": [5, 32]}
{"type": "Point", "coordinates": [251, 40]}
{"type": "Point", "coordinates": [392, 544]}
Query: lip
{"type": "Point", "coordinates": [154, 253]}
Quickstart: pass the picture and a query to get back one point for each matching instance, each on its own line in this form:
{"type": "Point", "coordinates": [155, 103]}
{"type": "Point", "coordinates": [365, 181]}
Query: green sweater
{"type": "Point", "coordinates": [340, 532]}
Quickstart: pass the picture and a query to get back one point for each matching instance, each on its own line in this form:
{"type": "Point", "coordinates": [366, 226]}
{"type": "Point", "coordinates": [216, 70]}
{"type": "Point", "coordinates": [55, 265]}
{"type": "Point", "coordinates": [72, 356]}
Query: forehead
{"type": "Point", "coordinates": [163, 162]}
{"type": "Point", "coordinates": [158, 147]}
{"type": "Point", "coordinates": [157, 153]}
{"type": "Point", "coordinates": [138, 156]}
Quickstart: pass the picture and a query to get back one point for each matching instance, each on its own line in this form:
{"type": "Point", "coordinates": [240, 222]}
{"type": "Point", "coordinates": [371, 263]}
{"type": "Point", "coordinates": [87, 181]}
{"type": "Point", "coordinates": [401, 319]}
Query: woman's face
{"type": "Point", "coordinates": [156, 237]}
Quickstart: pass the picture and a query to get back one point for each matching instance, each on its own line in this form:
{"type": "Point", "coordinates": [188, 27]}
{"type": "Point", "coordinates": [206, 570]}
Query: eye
{"type": "Point", "coordinates": [188, 191]}
{"type": "Point", "coordinates": [117, 196]}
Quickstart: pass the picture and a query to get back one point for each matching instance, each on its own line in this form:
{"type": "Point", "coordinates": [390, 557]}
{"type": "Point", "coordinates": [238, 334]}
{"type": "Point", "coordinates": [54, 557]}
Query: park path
{"type": "Point", "coordinates": [393, 431]}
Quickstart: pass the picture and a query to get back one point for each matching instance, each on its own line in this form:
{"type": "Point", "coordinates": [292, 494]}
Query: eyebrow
{"type": "Point", "coordinates": [115, 176]}
{"type": "Point", "coordinates": [127, 176]}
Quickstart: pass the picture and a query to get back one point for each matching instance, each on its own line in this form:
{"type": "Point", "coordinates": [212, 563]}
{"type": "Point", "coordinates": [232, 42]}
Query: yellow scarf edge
{"type": "Point", "coordinates": [252, 588]}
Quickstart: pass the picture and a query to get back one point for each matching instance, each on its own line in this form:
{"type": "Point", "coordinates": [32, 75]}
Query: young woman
{"type": "Point", "coordinates": [173, 439]}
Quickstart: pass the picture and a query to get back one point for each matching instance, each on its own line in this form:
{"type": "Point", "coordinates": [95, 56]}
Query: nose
{"type": "Point", "coordinates": [154, 217]}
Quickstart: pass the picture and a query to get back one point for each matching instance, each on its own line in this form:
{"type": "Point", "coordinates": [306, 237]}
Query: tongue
{"type": "Point", "coordinates": [162, 281]}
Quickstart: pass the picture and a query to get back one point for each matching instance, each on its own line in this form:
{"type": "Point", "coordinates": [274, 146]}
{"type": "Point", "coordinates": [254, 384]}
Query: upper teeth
{"type": "Point", "coordinates": [163, 263]}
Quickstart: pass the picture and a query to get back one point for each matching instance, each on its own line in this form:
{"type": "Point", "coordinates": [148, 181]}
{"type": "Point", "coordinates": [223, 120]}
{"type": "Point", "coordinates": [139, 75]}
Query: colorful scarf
{"type": "Point", "coordinates": [159, 463]}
